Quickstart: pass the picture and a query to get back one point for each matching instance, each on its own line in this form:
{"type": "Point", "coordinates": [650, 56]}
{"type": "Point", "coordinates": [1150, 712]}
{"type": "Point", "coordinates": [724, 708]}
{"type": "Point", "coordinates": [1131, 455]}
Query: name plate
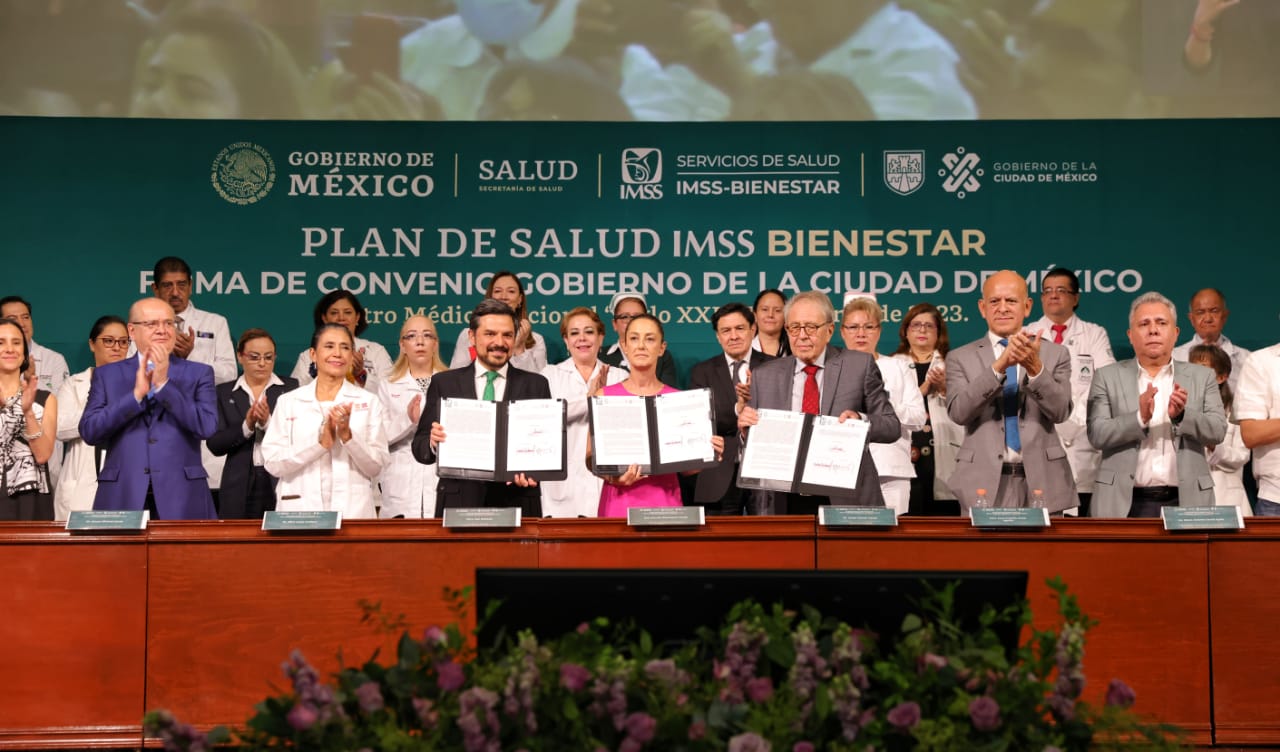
{"type": "Point", "coordinates": [302, 521]}
{"type": "Point", "coordinates": [1021, 518]}
{"type": "Point", "coordinates": [1202, 518]}
{"type": "Point", "coordinates": [105, 521]}
{"type": "Point", "coordinates": [857, 516]}
{"type": "Point", "coordinates": [483, 517]}
{"type": "Point", "coordinates": [667, 516]}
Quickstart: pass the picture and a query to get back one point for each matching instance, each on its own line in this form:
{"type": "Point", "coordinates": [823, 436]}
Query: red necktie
{"type": "Point", "coordinates": [1058, 329]}
{"type": "Point", "coordinates": [810, 404]}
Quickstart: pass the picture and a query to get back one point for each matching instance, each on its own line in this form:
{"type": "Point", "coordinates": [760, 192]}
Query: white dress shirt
{"type": "Point", "coordinates": [1258, 398]}
{"type": "Point", "coordinates": [894, 460]}
{"type": "Point", "coordinates": [499, 384]}
{"type": "Point", "coordinates": [1011, 455]}
{"type": "Point", "coordinates": [243, 386]}
{"type": "Point", "coordinates": [1238, 355]}
{"type": "Point", "coordinates": [800, 377]}
{"type": "Point", "coordinates": [1157, 456]}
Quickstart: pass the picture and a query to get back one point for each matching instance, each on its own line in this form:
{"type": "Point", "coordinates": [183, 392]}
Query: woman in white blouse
{"type": "Point", "coordinates": [370, 362]}
{"type": "Point", "coordinates": [573, 381]}
{"type": "Point", "coordinates": [1226, 460]}
{"type": "Point", "coordinates": [860, 327]}
{"type": "Point", "coordinates": [408, 486]}
{"type": "Point", "coordinates": [327, 441]}
{"type": "Point", "coordinates": [78, 478]}
{"type": "Point", "coordinates": [530, 350]}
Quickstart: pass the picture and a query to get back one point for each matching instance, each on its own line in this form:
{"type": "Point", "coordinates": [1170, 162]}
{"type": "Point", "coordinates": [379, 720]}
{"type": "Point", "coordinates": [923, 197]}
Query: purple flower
{"type": "Point", "coordinates": [302, 716]}
{"type": "Point", "coordinates": [369, 695]}
{"type": "Point", "coordinates": [904, 716]}
{"type": "Point", "coordinates": [449, 676]}
{"type": "Point", "coordinates": [630, 745]}
{"type": "Point", "coordinates": [697, 730]}
{"type": "Point", "coordinates": [760, 689]}
{"type": "Point", "coordinates": [985, 713]}
{"type": "Point", "coordinates": [434, 635]}
{"type": "Point", "coordinates": [1063, 707]}
{"type": "Point", "coordinates": [666, 671]}
{"type": "Point", "coordinates": [748, 742]}
{"type": "Point", "coordinates": [932, 660]}
{"type": "Point", "coordinates": [426, 712]}
{"type": "Point", "coordinates": [573, 677]}
{"type": "Point", "coordinates": [641, 727]}
{"type": "Point", "coordinates": [583, 628]}
{"type": "Point", "coordinates": [1120, 695]}
{"type": "Point", "coordinates": [802, 747]}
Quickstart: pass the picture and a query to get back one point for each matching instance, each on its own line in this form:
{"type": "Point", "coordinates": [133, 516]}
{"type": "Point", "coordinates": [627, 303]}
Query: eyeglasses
{"type": "Point", "coordinates": [626, 316]}
{"type": "Point", "coordinates": [156, 324]}
{"type": "Point", "coordinates": [259, 357]}
{"type": "Point", "coordinates": [808, 330]}
{"type": "Point", "coordinates": [922, 326]}
{"type": "Point", "coordinates": [112, 342]}
{"type": "Point", "coordinates": [860, 327]}
{"type": "Point", "coordinates": [1057, 291]}
{"type": "Point", "coordinates": [417, 337]}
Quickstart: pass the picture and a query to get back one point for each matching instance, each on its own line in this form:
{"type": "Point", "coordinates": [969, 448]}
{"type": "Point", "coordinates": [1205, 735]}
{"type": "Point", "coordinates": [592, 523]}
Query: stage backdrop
{"type": "Point", "coordinates": [415, 216]}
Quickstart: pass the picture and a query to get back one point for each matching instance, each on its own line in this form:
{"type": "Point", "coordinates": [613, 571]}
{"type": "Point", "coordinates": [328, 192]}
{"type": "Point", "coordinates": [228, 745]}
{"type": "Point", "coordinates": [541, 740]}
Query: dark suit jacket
{"type": "Point", "coordinates": [454, 492]}
{"type": "Point", "coordinates": [850, 381]}
{"type": "Point", "coordinates": [230, 441]}
{"type": "Point", "coordinates": [156, 443]}
{"type": "Point", "coordinates": [713, 483]}
{"type": "Point", "coordinates": [666, 366]}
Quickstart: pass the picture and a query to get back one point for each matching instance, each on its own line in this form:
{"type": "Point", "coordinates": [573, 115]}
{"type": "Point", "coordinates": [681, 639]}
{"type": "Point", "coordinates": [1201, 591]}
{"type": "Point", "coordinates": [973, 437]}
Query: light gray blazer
{"type": "Point", "coordinates": [975, 401]}
{"type": "Point", "coordinates": [1113, 428]}
{"type": "Point", "coordinates": [849, 381]}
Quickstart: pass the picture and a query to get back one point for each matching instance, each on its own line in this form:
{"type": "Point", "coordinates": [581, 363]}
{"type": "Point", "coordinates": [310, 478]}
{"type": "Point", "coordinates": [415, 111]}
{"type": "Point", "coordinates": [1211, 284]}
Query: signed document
{"type": "Point", "coordinates": [535, 435]}
{"type": "Point", "coordinates": [772, 450]}
{"type": "Point", "coordinates": [684, 426]}
{"type": "Point", "coordinates": [835, 452]}
{"type": "Point", "coordinates": [471, 434]}
{"type": "Point", "coordinates": [620, 432]}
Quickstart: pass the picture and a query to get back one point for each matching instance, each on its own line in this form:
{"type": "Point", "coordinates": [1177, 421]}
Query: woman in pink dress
{"type": "Point", "coordinates": [643, 344]}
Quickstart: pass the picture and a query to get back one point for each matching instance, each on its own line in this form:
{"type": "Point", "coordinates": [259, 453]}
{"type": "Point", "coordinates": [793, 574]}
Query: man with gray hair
{"type": "Point", "coordinates": [1208, 316]}
{"type": "Point", "coordinates": [1153, 417]}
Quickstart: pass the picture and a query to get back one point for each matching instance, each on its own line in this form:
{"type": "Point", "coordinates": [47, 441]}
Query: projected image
{"type": "Point", "coordinates": [650, 60]}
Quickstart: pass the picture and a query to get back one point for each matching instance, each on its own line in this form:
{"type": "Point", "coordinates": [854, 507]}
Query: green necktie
{"type": "Point", "coordinates": [489, 376]}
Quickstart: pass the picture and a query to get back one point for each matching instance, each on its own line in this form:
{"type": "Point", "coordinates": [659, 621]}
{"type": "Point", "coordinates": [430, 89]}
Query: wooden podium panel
{"type": "Point", "coordinates": [1149, 590]}
{"type": "Point", "coordinates": [71, 648]}
{"type": "Point", "coordinates": [228, 603]}
{"type": "Point", "coordinates": [1245, 610]}
{"type": "Point", "coordinates": [723, 543]}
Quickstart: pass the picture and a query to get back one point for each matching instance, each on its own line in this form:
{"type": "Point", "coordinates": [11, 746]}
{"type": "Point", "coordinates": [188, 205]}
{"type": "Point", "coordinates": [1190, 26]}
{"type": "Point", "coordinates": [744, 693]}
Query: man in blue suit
{"type": "Point", "coordinates": [151, 413]}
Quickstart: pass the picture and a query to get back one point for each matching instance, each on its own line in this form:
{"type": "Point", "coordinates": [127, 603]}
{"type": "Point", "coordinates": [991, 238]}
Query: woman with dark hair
{"type": "Point", "coordinates": [530, 350]}
{"type": "Point", "coordinates": [28, 424]}
{"type": "Point", "coordinates": [326, 443]}
{"type": "Point", "coordinates": [210, 62]}
{"type": "Point", "coordinates": [1226, 460]}
{"type": "Point", "coordinates": [370, 362]}
{"type": "Point", "coordinates": [78, 478]}
{"type": "Point", "coordinates": [771, 337]}
{"type": "Point", "coordinates": [923, 343]}
{"type": "Point", "coordinates": [244, 411]}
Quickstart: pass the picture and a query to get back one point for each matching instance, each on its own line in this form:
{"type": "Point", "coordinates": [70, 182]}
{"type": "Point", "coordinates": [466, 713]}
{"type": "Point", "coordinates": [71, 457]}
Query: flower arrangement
{"type": "Point", "coordinates": [768, 679]}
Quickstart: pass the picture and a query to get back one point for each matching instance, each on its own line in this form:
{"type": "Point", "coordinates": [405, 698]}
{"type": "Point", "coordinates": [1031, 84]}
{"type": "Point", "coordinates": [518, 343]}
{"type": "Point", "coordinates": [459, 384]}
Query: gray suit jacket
{"type": "Point", "coordinates": [975, 401]}
{"type": "Point", "coordinates": [1114, 428]}
{"type": "Point", "coordinates": [849, 381]}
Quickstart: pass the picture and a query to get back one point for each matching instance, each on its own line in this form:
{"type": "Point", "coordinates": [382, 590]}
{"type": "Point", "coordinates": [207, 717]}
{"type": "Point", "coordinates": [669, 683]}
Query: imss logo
{"type": "Point", "coordinates": [243, 173]}
{"type": "Point", "coordinates": [641, 173]}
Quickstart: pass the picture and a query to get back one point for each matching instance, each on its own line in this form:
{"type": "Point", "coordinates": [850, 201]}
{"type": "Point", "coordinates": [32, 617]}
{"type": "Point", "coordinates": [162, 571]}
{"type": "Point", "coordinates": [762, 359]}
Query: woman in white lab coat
{"type": "Point", "coordinates": [327, 441]}
{"type": "Point", "coordinates": [860, 325]}
{"type": "Point", "coordinates": [1227, 459]}
{"type": "Point", "coordinates": [573, 381]}
{"type": "Point", "coordinates": [370, 362]}
{"type": "Point", "coordinates": [78, 478]}
{"type": "Point", "coordinates": [408, 486]}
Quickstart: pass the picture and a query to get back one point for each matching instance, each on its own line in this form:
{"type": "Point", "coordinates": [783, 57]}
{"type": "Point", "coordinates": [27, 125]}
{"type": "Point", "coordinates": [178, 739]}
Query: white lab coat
{"type": "Point", "coordinates": [291, 451]}
{"type": "Point", "coordinates": [1090, 349]}
{"type": "Point", "coordinates": [78, 479]}
{"type": "Point", "coordinates": [947, 436]}
{"type": "Point", "coordinates": [1226, 464]}
{"type": "Point", "coordinates": [408, 486]}
{"type": "Point", "coordinates": [578, 495]}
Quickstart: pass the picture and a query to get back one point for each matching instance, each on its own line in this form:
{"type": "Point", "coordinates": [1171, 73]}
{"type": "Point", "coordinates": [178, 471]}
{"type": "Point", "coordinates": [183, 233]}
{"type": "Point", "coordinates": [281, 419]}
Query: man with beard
{"type": "Point", "coordinates": [490, 377]}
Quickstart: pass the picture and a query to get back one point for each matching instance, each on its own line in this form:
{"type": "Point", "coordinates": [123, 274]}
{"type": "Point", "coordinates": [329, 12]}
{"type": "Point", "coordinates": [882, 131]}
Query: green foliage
{"type": "Point", "coordinates": [786, 676]}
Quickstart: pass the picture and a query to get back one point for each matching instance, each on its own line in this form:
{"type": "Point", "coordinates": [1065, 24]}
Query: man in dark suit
{"type": "Point", "coordinates": [248, 490]}
{"type": "Point", "coordinates": [491, 377]}
{"type": "Point", "coordinates": [151, 413]}
{"type": "Point", "coordinates": [624, 307]}
{"type": "Point", "coordinates": [1009, 390]}
{"type": "Point", "coordinates": [735, 326]}
{"type": "Point", "coordinates": [822, 380]}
